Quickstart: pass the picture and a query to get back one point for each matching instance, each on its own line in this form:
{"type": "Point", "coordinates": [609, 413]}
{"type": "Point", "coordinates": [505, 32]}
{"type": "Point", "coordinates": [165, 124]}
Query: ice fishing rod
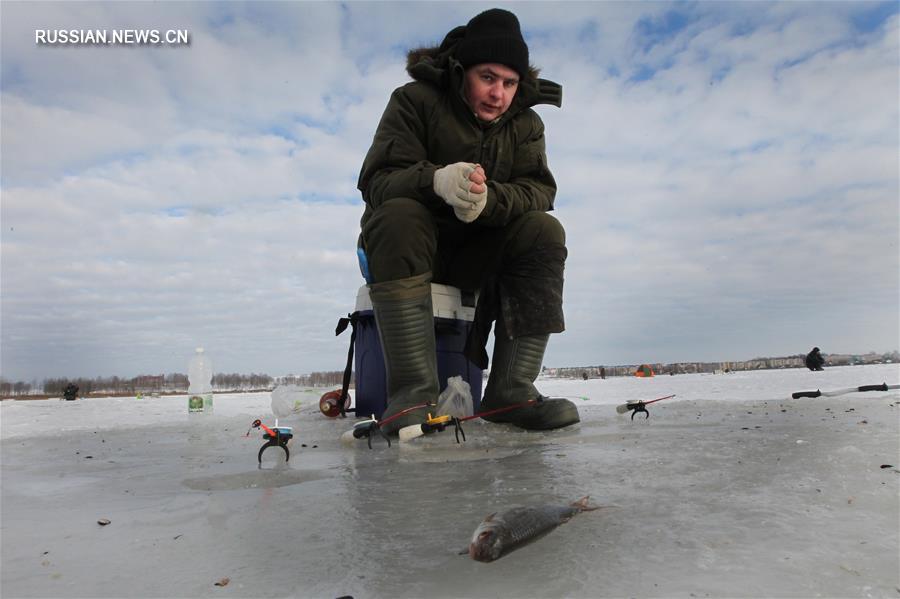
{"type": "Point", "coordinates": [278, 436]}
{"type": "Point", "coordinates": [367, 428]}
{"type": "Point", "coordinates": [817, 393]}
{"type": "Point", "coordinates": [640, 406]}
{"type": "Point", "coordinates": [441, 423]}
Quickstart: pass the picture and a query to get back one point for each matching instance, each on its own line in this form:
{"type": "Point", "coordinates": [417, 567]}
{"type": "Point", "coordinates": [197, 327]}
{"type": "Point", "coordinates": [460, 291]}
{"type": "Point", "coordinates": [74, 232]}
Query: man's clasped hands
{"type": "Point", "coordinates": [463, 186]}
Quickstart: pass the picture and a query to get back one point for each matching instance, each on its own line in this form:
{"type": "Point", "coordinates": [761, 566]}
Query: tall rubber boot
{"type": "Point", "coordinates": [405, 320]}
{"type": "Point", "coordinates": [514, 368]}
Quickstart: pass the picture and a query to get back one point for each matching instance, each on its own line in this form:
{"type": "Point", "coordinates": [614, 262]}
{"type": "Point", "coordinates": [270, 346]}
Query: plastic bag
{"type": "Point", "coordinates": [456, 399]}
{"type": "Point", "coordinates": [286, 400]}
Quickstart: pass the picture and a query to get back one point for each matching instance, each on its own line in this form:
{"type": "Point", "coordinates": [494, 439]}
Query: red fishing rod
{"type": "Point", "coordinates": [366, 428]}
{"type": "Point", "coordinates": [639, 406]}
{"type": "Point", "coordinates": [440, 423]}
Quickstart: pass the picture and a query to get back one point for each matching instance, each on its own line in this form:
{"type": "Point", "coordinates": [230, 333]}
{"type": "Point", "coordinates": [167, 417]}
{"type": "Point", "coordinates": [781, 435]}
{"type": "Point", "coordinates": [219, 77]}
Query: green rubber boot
{"type": "Point", "coordinates": [405, 320]}
{"type": "Point", "coordinates": [514, 368]}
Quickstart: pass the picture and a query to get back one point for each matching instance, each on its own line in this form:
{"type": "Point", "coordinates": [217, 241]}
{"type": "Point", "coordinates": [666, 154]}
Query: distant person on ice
{"type": "Point", "coordinates": [71, 392]}
{"type": "Point", "coordinates": [457, 189]}
{"type": "Point", "coordinates": [814, 360]}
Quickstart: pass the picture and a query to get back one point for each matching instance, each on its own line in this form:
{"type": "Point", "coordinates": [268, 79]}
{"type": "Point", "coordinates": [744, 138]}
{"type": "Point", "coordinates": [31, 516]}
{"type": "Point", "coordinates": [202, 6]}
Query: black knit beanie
{"type": "Point", "coordinates": [494, 36]}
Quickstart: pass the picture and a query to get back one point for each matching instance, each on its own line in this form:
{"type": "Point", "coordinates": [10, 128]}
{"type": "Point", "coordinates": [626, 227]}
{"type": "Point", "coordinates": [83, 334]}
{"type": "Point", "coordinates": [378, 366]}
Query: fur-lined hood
{"type": "Point", "coordinates": [436, 64]}
{"type": "Point", "coordinates": [432, 55]}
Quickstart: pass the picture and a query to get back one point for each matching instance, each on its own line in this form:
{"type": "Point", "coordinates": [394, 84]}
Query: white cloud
{"type": "Point", "coordinates": [741, 200]}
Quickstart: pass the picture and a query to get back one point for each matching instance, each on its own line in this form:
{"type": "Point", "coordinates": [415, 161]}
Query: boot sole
{"type": "Point", "coordinates": [549, 416]}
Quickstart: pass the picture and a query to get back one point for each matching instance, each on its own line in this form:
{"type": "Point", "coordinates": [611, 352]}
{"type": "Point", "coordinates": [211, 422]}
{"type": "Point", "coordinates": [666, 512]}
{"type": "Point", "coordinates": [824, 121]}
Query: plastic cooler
{"type": "Point", "coordinates": [453, 316]}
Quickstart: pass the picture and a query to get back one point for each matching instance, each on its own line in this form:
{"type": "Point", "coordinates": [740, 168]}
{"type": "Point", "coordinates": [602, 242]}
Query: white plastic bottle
{"type": "Point", "coordinates": [200, 374]}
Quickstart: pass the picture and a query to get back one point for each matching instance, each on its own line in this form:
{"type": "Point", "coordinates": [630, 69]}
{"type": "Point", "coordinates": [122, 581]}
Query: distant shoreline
{"type": "Point", "coordinates": [149, 394]}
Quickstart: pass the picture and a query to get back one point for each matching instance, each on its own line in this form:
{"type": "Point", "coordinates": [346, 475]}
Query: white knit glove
{"type": "Point", "coordinates": [471, 211]}
{"type": "Point", "coordinates": [452, 183]}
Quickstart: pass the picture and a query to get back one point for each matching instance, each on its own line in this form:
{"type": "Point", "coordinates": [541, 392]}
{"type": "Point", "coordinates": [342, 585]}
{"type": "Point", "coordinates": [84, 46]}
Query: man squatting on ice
{"type": "Point", "coordinates": [457, 190]}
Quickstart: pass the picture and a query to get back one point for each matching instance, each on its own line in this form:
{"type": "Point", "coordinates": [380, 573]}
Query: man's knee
{"type": "Point", "coordinates": [536, 229]}
{"type": "Point", "coordinates": [397, 215]}
{"type": "Point", "coordinates": [550, 230]}
{"type": "Point", "coordinates": [400, 240]}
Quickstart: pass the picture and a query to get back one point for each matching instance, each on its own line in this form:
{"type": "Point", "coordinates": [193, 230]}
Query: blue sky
{"type": "Point", "coordinates": [728, 179]}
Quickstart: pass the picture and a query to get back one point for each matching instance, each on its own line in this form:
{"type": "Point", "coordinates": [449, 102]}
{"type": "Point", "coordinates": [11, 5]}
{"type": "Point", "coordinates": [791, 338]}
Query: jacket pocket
{"type": "Point", "coordinates": [530, 162]}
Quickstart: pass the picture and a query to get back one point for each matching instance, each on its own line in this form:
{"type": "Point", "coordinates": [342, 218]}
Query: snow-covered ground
{"type": "Point", "coordinates": [729, 489]}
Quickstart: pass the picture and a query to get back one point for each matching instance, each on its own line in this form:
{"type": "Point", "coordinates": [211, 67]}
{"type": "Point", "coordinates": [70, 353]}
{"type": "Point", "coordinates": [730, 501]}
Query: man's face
{"type": "Point", "coordinates": [490, 89]}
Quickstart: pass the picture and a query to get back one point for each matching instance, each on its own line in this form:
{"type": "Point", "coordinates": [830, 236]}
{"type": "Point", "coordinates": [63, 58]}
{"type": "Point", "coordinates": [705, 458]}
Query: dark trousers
{"type": "Point", "coordinates": [403, 238]}
{"type": "Point", "coordinates": [518, 268]}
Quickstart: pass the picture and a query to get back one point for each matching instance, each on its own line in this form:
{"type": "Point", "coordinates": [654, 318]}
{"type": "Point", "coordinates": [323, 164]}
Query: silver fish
{"type": "Point", "coordinates": [500, 533]}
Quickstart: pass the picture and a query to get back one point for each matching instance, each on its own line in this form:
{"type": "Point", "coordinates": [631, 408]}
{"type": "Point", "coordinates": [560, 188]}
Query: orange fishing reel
{"type": "Point", "coordinates": [441, 423]}
{"type": "Point", "coordinates": [331, 405]}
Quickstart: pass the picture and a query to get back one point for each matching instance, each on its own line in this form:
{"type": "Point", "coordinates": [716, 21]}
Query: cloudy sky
{"type": "Point", "coordinates": [728, 179]}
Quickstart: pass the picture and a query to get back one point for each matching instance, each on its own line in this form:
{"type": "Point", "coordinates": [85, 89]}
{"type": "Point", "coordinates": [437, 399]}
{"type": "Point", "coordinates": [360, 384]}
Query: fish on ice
{"type": "Point", "coordinates": [501, 533]}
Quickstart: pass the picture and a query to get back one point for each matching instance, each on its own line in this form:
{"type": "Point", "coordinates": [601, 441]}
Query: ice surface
{"type": "Point", "coordinates": [729, 489]}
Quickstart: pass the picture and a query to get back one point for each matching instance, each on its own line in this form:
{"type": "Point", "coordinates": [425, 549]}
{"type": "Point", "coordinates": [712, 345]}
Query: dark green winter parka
{"type": "Point", "coordinates": [427, 124]}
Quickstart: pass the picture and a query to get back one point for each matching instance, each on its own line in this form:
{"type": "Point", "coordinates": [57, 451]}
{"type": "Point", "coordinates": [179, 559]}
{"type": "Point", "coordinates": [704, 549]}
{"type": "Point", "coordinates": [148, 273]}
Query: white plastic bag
{"type": "Point", "coordinates": [456, 399]}
{"type": "Point", "coordinates": [286, 400]}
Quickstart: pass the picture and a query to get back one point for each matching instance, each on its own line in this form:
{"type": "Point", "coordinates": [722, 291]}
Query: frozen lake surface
{"type": "Point", "coordinates": [729, 489]}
